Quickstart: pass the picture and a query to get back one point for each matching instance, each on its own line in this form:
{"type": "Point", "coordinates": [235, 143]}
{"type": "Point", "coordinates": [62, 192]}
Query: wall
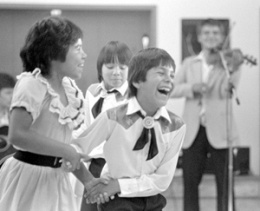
{"type": "Point", "coordinates": [245, 35]}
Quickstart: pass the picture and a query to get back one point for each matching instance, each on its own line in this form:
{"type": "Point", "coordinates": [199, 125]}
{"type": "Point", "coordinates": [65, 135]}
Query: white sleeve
{"type": "Point", "coordinates": [159, 181]}
{"type": "Point", "coordinates": [29, 93]}
{"type": "Point", "coordinates": [92, 137]}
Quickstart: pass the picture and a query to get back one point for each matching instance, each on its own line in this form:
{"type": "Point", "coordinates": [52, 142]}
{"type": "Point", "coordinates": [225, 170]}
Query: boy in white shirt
{"type": "Point", "coordinates": [143, 138]}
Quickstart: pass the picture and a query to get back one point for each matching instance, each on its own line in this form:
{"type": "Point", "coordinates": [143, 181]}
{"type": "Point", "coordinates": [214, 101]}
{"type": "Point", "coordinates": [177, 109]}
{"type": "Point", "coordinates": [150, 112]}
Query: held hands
{"type": "Point", "coordinates": [100, 190]}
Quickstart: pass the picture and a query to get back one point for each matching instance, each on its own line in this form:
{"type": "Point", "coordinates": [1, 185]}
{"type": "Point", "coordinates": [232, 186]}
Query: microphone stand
{"type": "Point", "coordinates": [231, 92]}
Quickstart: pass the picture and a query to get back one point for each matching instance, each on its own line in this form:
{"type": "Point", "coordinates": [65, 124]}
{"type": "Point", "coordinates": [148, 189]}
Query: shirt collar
{"type": "Point", "coordinates": [200, 56]}
{"type": "Point", "coordinates": [134, 106]}
{"type": "Point", "coordinates": [122, 89]}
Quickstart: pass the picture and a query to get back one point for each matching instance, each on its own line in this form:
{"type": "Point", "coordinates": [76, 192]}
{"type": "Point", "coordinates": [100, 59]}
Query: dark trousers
{"type": "Point", "coordinates": [95, 168]}
{"type": "Point", "coordinates": [193, 164]}
{"type": "Point", "coordinates": [151, 203]}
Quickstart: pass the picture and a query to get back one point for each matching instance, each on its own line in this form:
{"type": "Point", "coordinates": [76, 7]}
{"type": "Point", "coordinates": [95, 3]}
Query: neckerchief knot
{"type": "Point", "coordinates": [148, 132]}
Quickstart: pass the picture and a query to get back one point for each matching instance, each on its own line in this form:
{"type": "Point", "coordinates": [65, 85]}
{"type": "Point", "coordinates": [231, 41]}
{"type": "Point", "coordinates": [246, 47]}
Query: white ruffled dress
{"type": "Point", "coordinates": [27, 187]}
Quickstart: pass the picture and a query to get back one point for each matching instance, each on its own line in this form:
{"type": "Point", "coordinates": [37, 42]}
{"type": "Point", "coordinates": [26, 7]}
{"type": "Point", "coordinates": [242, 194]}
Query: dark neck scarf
{"type": "Point", "coordinates": [96, 109]}
{"type": "Point", "coordinates": [148, 129]}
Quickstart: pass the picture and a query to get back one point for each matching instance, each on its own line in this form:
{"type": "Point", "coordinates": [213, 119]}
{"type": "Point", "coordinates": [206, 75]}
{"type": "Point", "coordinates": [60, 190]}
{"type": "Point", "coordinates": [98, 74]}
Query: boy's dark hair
{"type": "Point", "coordinates": [142, 62]}
{"type": "Point", "coordinates": [48, 40]}
{"type": "Point", "coordinates": [210, 22]}
{"type": "Point", "coordinates": [6, 81]}
{"type": "Point", "coordinates": [112, 52]}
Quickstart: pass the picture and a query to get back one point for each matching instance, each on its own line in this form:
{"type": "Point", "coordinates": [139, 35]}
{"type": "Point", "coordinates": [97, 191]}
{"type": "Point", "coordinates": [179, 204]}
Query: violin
{"type": "Point", "coordinates": [232, 57]}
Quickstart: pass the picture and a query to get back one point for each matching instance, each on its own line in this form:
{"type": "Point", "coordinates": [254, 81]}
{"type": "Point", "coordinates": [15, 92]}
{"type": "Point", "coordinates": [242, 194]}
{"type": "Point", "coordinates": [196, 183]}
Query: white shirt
{"type": "Point", "coordinates": [93, 94]}
{"type": "Point", "coordinates": [206, 69]}
{"type": "Point", "coordinates": [110, 100]}
{"type": "Point", "coordinates": [121, 127]}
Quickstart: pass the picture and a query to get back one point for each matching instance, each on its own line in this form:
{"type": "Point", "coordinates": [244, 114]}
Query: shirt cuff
{"type": "Point", "coordinates": [127, 187]}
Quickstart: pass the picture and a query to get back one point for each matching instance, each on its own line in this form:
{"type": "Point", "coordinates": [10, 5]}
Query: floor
{"type": "Point", "coordinates": [247, 193]}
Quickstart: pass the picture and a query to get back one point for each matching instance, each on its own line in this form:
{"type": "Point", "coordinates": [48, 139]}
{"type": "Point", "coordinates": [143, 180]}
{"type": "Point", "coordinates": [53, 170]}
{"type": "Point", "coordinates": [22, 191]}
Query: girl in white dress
{"type": "Point", "coordinates": [46, 107]}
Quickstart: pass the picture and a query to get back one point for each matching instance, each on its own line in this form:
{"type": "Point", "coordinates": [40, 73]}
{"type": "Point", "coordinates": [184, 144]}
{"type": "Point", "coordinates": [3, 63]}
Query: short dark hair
{"type": "Point", "coordinates": [48, 39]}
{"type": "Point", "coordinates": [142, 62]}
{"type": "Point", "coordinates": [210, 22]}
{"type": "Point", "coordinates": [110, 53]}
{"type": "Point", "coordinates": [6, 81]}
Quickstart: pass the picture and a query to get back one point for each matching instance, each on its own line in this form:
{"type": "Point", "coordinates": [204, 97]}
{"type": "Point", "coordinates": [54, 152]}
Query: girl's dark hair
{"type": "Point", "coordinates": [48, 40]}
{"type": "Point", "coordinates": [112, 52]}
{"type": "Point", "coordinates": [142, 62]}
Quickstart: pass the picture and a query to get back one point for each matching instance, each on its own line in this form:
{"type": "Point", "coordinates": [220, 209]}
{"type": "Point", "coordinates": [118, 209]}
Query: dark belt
{"type": "Point", "coordinates": [36, 159]}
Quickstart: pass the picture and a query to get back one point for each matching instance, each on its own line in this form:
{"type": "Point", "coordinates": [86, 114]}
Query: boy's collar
{"type": "Point", "coordinates": [134, 106]}
{"type": "Point", "coordinates": [122, 89]}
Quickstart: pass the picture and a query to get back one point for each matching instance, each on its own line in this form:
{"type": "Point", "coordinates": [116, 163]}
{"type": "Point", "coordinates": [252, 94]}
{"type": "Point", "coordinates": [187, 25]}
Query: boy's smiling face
{"type": "Point", "coordinates": [155, 91]}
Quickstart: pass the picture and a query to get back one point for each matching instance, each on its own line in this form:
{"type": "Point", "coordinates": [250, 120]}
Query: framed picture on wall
{"type": "Point", "coordinates": [190, 45]}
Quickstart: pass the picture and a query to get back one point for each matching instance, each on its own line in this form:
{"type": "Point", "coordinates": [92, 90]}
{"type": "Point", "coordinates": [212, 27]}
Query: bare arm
{"type": "Point", "coordinates": [21, 135]}
{"type": "Point", "coordinates": [83, 174]}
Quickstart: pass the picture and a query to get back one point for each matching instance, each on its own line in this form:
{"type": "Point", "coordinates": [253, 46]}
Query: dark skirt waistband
{"type": "Point", "coordinates": [37, 159]}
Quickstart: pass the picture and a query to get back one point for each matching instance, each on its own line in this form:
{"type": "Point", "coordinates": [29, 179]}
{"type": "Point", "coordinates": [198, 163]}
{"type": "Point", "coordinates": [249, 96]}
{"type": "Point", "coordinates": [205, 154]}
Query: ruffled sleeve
{"type": "Point", "coordinates": [29, 93]}
{"type": "Point", "coordinates": [31, 90]}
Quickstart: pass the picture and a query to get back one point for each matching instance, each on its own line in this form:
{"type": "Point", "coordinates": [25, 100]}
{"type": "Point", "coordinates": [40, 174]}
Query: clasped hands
{"type": "Point", "coordinates": [100, 190]}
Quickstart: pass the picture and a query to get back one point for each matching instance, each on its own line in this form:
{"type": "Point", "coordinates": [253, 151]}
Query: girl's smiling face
{"type": "Point", "coordinates": [74, 63]}
{"type": "Point", "coordinates": [155, 91]}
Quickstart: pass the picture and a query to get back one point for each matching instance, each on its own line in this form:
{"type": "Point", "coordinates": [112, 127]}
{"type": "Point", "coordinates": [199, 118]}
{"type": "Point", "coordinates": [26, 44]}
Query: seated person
{"type": "Point", "coordinates": [7, 83]}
